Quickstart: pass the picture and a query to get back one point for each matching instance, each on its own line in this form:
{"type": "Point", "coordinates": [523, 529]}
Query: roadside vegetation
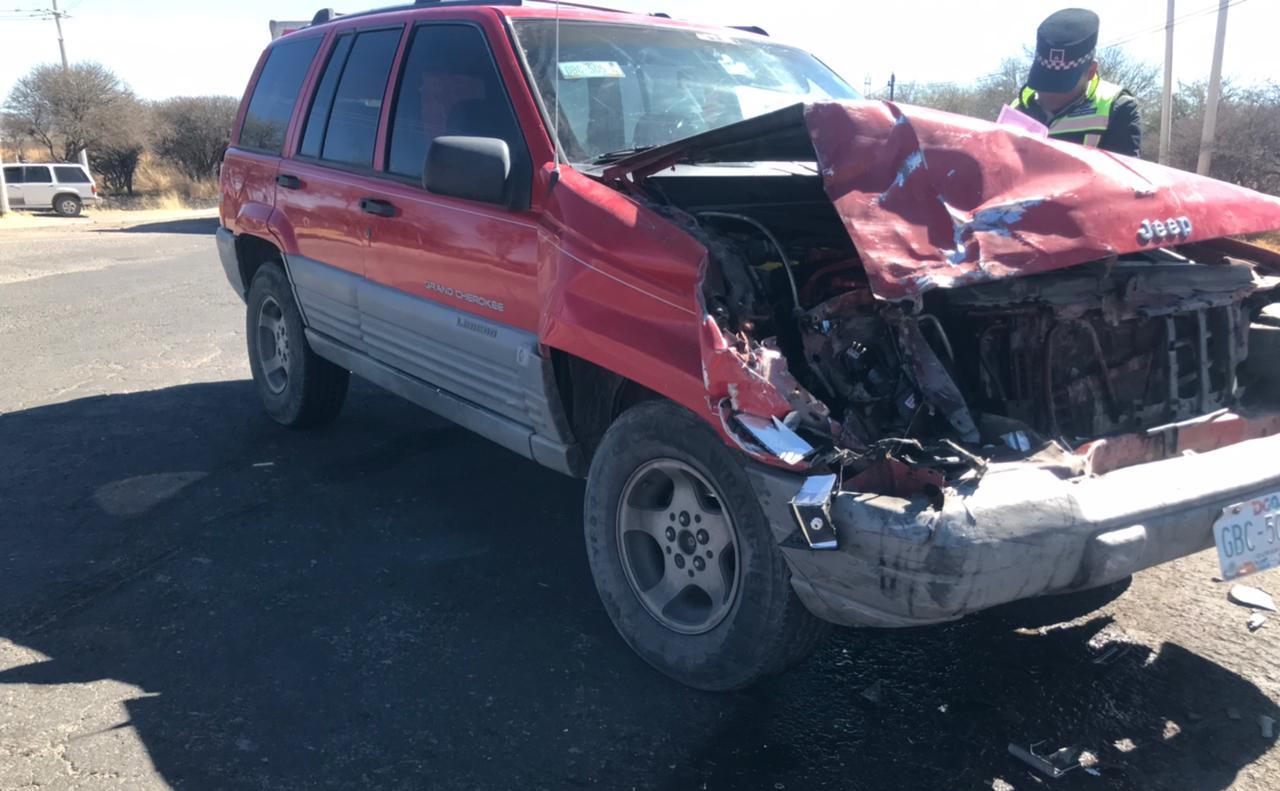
{"type": "Point", "coordinates": [1248, 145]}
{"type": "Point", "coordinates": [145, 155]}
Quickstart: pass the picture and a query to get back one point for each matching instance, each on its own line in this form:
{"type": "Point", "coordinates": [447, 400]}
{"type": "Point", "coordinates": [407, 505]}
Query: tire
{"type": "Point", "coordinates": [297, 387]}
{"type": "Point", "coordinates": [735, 619]}
{"type": "Point", "coordinates": [67, 205]}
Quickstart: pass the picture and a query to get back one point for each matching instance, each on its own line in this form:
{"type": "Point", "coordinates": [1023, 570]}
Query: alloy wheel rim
{"type": "Point", "coordinates": [273, 345]}
{"type": "Point", "coordinates": [678, 546]}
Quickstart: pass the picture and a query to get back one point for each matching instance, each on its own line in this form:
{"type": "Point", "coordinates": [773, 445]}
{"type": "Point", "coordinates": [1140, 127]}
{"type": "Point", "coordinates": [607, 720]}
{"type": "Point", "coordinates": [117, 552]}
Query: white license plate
{"type": "Point", "coordinates": [1248, 536]}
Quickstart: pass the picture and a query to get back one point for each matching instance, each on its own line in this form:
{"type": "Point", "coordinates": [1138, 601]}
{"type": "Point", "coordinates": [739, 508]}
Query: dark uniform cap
{"type": "Point", "coordinates": [1065, 45]}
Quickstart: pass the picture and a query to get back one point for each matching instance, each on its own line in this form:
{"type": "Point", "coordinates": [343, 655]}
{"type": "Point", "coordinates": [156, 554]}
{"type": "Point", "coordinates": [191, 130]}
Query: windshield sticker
{"type": "Point", "coordinates": [591, 70]}
{"type": "Point", "coordinates": [734, 67]}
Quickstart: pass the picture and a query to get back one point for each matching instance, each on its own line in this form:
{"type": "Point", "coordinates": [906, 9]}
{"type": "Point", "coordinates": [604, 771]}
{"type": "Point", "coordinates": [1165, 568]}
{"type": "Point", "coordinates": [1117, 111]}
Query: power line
{"type": "Point", "coordinates": [1202, 12]}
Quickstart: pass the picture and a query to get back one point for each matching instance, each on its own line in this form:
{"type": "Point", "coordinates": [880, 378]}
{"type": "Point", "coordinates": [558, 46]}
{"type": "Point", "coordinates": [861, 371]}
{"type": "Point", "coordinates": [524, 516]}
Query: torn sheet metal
{"type": "Point", "coordinates": [1200, 436]}
{"type": "Point", "coordinates": [779, 440]}
{"type": "Point", "coordinates": [741, 374]}
{"type": "Point", "coordinates": [932, 199]}
{"type": "Point", "coordinates": [936, 200]}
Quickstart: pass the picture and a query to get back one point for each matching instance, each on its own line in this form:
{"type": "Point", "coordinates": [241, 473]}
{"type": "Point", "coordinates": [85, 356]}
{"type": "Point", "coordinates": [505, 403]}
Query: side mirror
{"type": "Point", "coordinates": [472, 168]}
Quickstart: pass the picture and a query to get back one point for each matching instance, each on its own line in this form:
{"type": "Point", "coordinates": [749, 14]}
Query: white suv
{"type": "Point", "coordinates": [61, 187]}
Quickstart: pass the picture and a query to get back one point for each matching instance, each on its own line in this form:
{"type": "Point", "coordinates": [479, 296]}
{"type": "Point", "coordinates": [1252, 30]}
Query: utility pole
{"type": "Point", "coordinates": [4, 190]}
{"type": "Point", "coordinates": [893, 82]}
{"type": "Point", "coordinates": [66, 68]}
{"type": "Point", "coordinates": [1215, 93]}
{"type": "Point", "coordinates": [62, 47]}
{"type": "Point", "coordinates": [1166, 100]}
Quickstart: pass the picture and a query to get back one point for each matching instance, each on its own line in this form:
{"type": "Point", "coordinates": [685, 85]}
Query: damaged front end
{"type": "Point", "coordinates": [900, 303]}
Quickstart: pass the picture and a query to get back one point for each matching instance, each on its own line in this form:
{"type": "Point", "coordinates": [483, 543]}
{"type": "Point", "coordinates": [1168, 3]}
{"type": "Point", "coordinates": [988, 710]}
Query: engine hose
{"type": "Point", "coordinates": [782, 254]}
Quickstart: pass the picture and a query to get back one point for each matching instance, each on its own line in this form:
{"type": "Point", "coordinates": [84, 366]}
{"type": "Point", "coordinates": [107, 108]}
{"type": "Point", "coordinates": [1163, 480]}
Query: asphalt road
{"type": "Point", "coordinates": [193, 597]}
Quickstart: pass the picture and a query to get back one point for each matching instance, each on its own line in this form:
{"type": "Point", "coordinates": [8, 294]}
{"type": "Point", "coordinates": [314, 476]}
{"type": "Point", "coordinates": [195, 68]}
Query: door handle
{"type": "Point", "coordinates": [377, 206]}
{"type": "Point", "coordinates": [289, 182]}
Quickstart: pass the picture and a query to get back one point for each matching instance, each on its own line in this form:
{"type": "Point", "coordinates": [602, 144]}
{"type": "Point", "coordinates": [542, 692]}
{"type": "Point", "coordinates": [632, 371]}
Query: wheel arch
{"type": "Point", "coordinates": [251, 253]}
{"type": "Point", "coordinates": [68, 193]}
{"type": "Point", "coordinates": [591, 398]}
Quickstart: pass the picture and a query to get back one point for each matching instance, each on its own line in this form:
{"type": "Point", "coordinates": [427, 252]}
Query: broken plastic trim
{"type": "Point", "coordinates": [812, 509]}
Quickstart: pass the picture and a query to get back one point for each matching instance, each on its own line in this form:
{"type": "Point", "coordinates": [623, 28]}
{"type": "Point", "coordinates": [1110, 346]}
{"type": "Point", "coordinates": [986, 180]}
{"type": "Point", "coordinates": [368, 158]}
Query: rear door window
{"type": "Point", "coordinates": [70, 175]}
{"type": "Point", "coordinates": [13, 175]}
{"type": "Point", "coordinates": [342, 126]}
{"type": "Point", "coordinates": [450, 85]}
{"type": "Point", "coordinates": [38, 174]}
{"type": "Point", "coordinates": [276, 93]}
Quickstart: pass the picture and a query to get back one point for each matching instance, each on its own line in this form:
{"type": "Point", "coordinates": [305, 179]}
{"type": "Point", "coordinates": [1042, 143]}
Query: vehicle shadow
{"type": "Point", "coordinates": [201, 226]}
{"type": "Point", "coordinates": [392, 602]}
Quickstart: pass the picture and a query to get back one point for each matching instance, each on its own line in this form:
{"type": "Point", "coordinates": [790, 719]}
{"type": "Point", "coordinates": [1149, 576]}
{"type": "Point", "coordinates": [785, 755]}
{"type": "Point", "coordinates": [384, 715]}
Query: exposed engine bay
{"type": "Point", "coordinates": [907, 397]}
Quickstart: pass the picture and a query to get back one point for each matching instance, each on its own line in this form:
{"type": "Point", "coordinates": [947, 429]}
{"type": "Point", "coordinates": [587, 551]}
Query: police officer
{"type": "Point", "coordinates": [1065, 93]}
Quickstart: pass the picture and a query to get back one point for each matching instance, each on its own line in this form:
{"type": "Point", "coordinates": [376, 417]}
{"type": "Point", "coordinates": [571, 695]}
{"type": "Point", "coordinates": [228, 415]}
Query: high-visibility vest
{"type": "Point", "coordinates": [1091, 118]}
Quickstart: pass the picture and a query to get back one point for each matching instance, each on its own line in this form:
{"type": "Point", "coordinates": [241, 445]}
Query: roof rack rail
{"type": "Point", "coordinates": [326, 15]}
{"type": "Point", "coordinates": [759, 31]}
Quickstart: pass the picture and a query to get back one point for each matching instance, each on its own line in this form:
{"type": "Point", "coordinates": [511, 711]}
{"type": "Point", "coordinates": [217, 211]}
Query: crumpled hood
{"type": "Point", "coordinates": [935, 200]}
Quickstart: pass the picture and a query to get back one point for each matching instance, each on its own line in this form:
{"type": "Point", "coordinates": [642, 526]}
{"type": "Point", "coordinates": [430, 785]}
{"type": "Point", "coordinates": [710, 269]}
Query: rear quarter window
{"type": "Point", "coordinates": [275, 94]}
{"type": "Point", "coordinates": [70, 175]}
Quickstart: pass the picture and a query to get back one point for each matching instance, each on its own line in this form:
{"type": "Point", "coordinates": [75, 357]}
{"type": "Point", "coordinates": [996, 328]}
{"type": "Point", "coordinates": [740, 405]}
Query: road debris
{"type": "Point", "coordinates": [1052, 765]}
{"type": "Point", "coordinates": [1268, 726]}
{"type": "Point", "coordinates": [1248, 596]}
{"type": "Point", "coordinates": [1256, 621]}
{"type": "Point", "coordinates": [872, 693]}
{"type": "Point", "coordinates": [1111, 653]}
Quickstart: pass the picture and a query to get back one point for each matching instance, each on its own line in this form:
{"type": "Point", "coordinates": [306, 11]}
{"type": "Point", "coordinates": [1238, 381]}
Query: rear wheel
{"type": "Point", "coordinates": [67, 205]}
{"type": "Point", "coordinates": [297, 387]}
{"type": "Point", "coordinates": [684, 558]}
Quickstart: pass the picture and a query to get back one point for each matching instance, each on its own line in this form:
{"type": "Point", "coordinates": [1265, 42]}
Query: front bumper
{"type": "Point", "coordinates": [1015, 534]}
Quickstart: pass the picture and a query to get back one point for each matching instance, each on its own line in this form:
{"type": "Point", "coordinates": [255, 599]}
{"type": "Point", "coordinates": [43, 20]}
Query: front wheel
{"type": "Point", "coordinates": [684, 558]}
{"type": "Point", "coordinates": [297, 386]}
{"type": "Point", "coordinates": [67, 205]}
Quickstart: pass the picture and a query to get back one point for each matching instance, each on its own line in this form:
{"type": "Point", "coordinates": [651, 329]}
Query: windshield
{"type": "Point", "coordinates": [628, 87]}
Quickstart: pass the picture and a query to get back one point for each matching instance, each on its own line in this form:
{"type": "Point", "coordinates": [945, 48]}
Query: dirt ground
{"type": "Point", "coordinates": [193, 597]}
{"type": "Point", "coordinates": [97, 219]}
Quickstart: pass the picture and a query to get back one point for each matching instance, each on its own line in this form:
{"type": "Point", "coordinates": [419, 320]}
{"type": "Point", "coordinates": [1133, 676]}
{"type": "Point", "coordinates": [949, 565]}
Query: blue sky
{"type": "Point", "coordinates": [168, 47]}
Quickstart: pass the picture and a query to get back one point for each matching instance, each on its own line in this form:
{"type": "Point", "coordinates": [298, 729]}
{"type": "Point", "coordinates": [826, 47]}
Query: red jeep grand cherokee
{"type": "Point", "coordinates": [819, 359]}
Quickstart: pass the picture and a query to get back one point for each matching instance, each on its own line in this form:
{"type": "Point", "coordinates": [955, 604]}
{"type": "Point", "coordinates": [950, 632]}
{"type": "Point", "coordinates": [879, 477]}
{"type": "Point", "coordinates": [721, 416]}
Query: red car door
{"type": "Point", "coordinates": [324, 189]}
{"type": "Point", "coordinates": [452, 294]}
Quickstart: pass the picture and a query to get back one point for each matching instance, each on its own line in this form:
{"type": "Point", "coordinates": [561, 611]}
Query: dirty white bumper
{"type": "Point", "coordinates": [1016, 534]}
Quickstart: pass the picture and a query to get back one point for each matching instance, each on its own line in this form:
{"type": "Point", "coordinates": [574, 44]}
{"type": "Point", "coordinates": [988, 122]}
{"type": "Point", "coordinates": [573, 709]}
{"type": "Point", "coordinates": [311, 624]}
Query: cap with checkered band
{"type": "Point", "coordinates": [1066, 45]}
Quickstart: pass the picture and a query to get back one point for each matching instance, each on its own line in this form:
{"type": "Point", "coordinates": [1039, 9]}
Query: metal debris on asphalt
{"type": "Point", "coordinates": [1249, 596]}
{"type": "Point", "coordinates": [872, 693]}
{"type": "Point", "coordinates": [1111, 653]}
{"type": "Point", "coordinates": [1054, 764]}
{"type": "Point", "coordinates": [1256, 621]}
